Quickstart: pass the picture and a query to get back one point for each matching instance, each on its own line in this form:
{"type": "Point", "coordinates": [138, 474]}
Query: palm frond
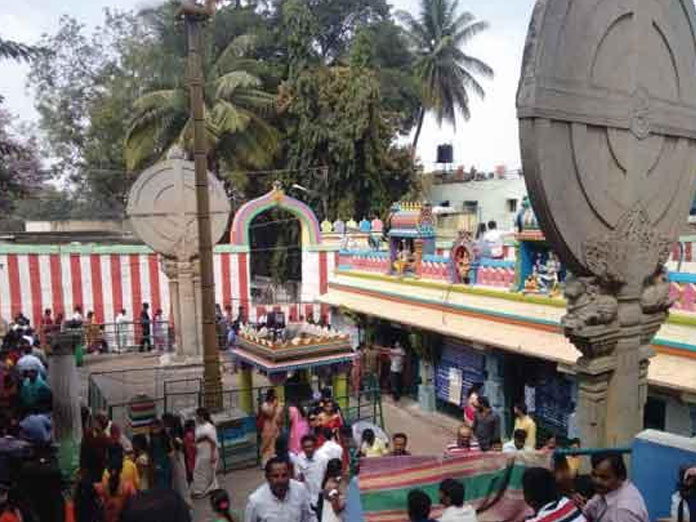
{"type": "Point", "coordinates": [227, 84]}
{"type": "Point", "coordinates": [463, 36]}
{"type": "Point", "coordinates": [228, 118]}
{"type": "Point", "coordinates": [18, 51]}
{"type": "Point", "coordinates": [238, 48]}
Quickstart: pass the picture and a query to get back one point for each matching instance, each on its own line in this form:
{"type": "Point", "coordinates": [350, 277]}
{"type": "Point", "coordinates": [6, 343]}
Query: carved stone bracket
{"type": "Point", "coordinates": [630, 251]}
{"type": "Point", "coordinates": [592, 319]}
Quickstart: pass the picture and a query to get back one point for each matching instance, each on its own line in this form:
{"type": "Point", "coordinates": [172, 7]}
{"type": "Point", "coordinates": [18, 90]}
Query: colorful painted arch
{"type": "Point", "coordinates": [311, 231]}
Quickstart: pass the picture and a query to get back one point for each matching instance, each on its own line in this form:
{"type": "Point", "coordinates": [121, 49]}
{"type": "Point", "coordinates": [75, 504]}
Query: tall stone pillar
{"type": "Point", "coordinates": [162, 211]}
{"type": "Point", "coordinates": [609, 174]}
{"type": "Point", "coordinates": [66, 417]}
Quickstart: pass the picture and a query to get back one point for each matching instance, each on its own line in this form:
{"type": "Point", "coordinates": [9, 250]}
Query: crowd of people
{"type": "Point", "coordinates": [173, 456]}
{"type": "Point", "coordinates": [147, 333]}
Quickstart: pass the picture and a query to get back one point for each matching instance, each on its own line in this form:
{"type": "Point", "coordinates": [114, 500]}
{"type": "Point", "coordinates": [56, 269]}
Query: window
{"type": "Point", "coordinates": [655, 413]}
{"type": "Point", "coordinates": [512, 205]}
{"type": "Point", "coordinates": [470, 207]}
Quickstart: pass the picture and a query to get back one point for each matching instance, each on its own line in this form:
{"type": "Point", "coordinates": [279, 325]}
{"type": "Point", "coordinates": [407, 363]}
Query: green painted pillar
{"type": "Point", "coordinates": [280, 392]}
{"type": "Point", "coordinates": [246, 398]}
{"type": "Point", "coordinates": [340, 389]}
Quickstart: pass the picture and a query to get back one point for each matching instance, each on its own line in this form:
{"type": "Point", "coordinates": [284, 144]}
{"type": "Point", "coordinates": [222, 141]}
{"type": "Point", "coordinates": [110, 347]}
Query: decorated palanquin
{"type": "Point", "coordinates": [301, 346]}
{"type": "Point", "coordinates": [411, 236]}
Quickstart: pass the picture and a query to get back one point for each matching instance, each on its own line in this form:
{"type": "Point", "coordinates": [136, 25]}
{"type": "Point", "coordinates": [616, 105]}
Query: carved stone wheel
{"type": "Point", "coordinates": [607, 109]}
{"type": "Point", "coordinates": [162, 208]}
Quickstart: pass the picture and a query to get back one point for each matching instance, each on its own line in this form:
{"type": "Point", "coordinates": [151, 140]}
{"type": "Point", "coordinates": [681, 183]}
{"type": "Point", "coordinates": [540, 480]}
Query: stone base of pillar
{"type": "Point", "coordinates": [426, 397]}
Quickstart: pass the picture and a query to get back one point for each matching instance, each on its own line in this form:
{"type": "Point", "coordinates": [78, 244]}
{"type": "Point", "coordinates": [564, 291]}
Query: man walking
{"type": "Point", "coordinates": [525, 423]}
{"type": "Point", "coordinates": [486, 424]}
{"type": "Point", "coordinates": [145, 328]}
{"type": "Point", "coordinates": [310, 467]}
{"type": "Point", "coordinates": [396, 356]}
{"type": "Point", "coordinates": [281, 499]}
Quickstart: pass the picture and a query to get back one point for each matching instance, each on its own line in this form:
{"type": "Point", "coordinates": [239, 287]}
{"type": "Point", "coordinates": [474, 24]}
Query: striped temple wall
{"type": "Point", "coordinates": [105, 279]}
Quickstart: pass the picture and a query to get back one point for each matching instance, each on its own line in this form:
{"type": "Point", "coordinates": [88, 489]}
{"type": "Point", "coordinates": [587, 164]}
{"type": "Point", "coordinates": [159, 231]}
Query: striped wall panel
{"type": "Point", "coordinates": [107, 282]}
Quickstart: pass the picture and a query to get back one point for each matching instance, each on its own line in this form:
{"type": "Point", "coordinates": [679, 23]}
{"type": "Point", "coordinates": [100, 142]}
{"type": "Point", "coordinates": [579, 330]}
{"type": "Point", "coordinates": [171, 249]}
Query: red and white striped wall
{"type": "Point", "coordinates": [105, 279]}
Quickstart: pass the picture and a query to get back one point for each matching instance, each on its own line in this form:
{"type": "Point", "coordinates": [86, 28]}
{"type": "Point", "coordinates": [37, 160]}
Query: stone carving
{"type": "Point", "coordinates": [656, 295]}
{"type": "Point", "coordinates": [633, 244]}
{"type": "Point", "coordinates": [162, 208]}
{"type": "Point", "coordinates": [607, 110]}
{"type": "Point", "coordinates": [588, 306]}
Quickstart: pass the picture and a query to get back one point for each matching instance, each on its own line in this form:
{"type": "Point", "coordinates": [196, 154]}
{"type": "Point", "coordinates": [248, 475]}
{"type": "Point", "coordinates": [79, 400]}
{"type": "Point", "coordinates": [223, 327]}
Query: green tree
{"type": "Point", "coordinates": [445, 73]}
{"type": "Point", "coordinates": [84, 92]}
{"type": "Point", "coordinates": [238, 134]}
{"type": "Point", "coordinates": [337, 22]}
{"type": "Point", "coordinates": [20, 168]}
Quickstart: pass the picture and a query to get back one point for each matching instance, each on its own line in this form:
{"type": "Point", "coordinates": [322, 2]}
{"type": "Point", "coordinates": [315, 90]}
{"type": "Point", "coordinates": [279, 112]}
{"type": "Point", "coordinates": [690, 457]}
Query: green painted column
{"type": "Point", "coordinates": [280, 392]}
{"type": "Point", "coordinates": [340, 389]}
{"type": "Point", "coordinates": [246, 398]}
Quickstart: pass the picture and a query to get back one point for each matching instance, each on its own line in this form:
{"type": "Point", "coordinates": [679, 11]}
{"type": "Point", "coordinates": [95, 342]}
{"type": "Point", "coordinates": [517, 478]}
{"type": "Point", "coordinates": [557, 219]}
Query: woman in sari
{"type": "Point", "coordinates": [204, 473]}
{"type": "Point", "coordinates": [270, 416]}
{"type": "Point", "coordinates": [92, 333]}
{"type": "Point", "coordinates": [161, 447]}
{"type": "Point", "coordinates": [160, 331]}
{"type": "Point", "coordinates": [299, 427]}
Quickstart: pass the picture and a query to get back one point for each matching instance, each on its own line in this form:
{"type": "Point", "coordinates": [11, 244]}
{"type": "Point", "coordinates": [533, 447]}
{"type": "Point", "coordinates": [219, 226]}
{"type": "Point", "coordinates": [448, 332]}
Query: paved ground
{"type": "Point", "coordinates": [428, 433]}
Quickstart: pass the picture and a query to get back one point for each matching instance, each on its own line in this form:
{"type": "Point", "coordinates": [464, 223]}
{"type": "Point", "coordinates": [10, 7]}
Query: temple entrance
{"type": "Point", "coordinates": [276, 257]}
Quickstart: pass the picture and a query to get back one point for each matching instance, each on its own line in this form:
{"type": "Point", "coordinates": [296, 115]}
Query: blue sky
{"type": "Point", "coordinates": [490, 138]}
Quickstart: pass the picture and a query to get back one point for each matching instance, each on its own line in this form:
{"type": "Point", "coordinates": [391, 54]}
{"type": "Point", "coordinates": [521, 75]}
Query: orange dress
{"type": "Point", "coordinates": [114, 504]}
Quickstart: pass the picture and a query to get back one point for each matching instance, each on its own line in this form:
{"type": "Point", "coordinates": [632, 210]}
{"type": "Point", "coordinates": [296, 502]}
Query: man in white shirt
{"type": "Point", "coordinates": [452, 498]}
{"type": "Point", "coordinates": [122, 331]}
{"type": "Point", "coordinates": [330, 449]}
{"type": "Point", "coordinates": [493, 239]}
{"type": "Point", "coordinates": [310, 467]}
{"type": "Point", "coordinates": [281, 499]}
{"type": "Point", "coordinates": [396, 356]}
{"type": "Point", "coordinates": [519, 439]}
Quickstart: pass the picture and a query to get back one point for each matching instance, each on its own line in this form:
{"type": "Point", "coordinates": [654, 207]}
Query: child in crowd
{"type": "Point", "coordinates": [142, 461]}
{"type": "Point", "coordinates": [190, 448]}
{"type": "Point", "coordinates": [220, 503]}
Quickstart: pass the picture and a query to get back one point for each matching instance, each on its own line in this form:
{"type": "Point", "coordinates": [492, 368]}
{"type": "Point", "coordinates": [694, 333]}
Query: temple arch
{"type": "Point", "coordinates": [276, 198]}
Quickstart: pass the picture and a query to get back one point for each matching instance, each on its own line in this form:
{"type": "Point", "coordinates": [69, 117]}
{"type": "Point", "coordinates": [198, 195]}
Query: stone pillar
{"type": "Point", "coordinates": [190, 309]}
{"type": "Point", "coordinates": [65, 386]}
{"type": "Point", "coordinates": [614, 335]}
{"type": "Point", "coordinates": [245, 384]}
{"type": "Point", "coordinates": [169, 267]}
{"type": "Point", "coordinates": [185, 299]}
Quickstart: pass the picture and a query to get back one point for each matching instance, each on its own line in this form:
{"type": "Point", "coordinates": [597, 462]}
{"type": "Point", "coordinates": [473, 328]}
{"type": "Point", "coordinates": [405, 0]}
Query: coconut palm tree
{"type": "Point", "coordinates": [446, 74]}
{"type": "Point", "coordinates": [16, 50]}
{"type": "Point", "coordinates": [235, 107]}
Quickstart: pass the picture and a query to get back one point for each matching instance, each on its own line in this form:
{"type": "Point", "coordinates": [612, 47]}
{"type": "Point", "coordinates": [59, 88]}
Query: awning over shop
{"type": "Point", "coordinates": [666, 371]}
{"type": "Point", "coordinates": [509, 337]}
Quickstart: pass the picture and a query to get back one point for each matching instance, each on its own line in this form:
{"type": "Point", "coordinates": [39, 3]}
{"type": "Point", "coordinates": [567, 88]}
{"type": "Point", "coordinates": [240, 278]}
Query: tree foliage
{"type": "Point", "coordinates": [315, 91]}
{"type": "Point", "coordinates": [20, 169]}
{"type": "Point", "coordinates": [445, 73]}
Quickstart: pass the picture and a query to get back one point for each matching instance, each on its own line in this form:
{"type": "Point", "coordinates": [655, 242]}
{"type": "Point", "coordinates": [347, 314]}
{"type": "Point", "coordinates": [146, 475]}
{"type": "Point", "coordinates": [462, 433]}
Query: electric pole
{"type": "Point", "coordinates": [195, 15]}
